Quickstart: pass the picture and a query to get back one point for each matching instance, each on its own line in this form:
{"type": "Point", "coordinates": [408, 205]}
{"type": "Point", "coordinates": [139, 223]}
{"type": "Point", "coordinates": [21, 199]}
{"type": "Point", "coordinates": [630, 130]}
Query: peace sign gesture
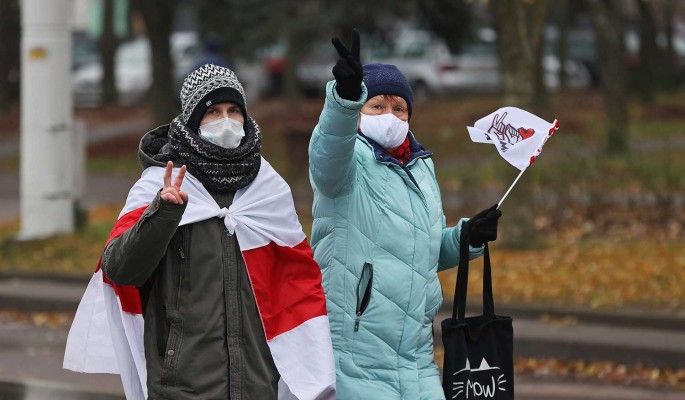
{"type": "Point", "coordinates": [348, 70]}
{"type": "Point", "coordinates": [173, 193]}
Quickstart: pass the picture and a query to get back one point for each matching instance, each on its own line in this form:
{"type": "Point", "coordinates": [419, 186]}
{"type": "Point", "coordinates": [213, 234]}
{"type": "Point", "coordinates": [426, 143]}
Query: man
{"type": "Point", "coordinates": [214, 280]}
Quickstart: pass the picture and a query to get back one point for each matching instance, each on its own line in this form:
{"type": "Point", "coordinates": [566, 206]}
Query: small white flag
{"type": "Point", "coordinates": [517, 134]}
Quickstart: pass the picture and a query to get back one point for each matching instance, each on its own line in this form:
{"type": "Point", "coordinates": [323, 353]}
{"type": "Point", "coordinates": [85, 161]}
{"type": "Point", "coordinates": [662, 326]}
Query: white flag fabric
{"type": "Point", "coordinates": [517, 134]}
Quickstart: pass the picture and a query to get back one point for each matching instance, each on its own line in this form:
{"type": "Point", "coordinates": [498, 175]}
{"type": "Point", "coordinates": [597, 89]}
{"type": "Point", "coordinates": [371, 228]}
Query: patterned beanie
{"type": "Point", "coordinates": [210, 84]}
{"type": "Point", "coordinates": [387, 79]}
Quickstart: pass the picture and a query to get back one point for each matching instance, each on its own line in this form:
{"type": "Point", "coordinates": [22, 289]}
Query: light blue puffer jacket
{"type": "Point", "coordinates": [379, 236]}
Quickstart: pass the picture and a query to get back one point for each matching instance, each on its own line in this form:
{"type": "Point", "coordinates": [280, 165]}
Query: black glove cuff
{"type": "Point", "coordinates": [348, 92]}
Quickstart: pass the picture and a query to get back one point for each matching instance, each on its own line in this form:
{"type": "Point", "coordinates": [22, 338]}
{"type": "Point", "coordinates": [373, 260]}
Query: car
{"type": "Point", "coordinates": [432, 69]}
{"type": "Point", "coordinates": [133, 70]}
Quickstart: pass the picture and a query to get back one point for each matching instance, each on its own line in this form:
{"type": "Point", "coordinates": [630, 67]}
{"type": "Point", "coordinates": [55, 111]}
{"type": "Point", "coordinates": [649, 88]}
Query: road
{"type": "Point", "coordinates": [31, 369]}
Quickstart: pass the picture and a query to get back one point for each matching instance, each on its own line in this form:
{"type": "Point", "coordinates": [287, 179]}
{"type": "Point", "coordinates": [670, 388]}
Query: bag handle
{"type": "Point", "coordinates": [459, 307]}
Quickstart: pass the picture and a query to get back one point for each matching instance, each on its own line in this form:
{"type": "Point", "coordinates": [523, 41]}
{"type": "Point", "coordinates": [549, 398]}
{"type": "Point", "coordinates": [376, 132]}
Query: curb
{"type": "Point", "coordinates": [638, 344]}
{"type": "Point", "coordinates": [540, 348]}
{"type": "Point", "coordinates": [41, 293]}
{"type": "Point", "coordinates": [672, 320]}
{"type": "Point", "coordinates": [75, 286]}
{"type": "Point", "coordinates": [39, 389]}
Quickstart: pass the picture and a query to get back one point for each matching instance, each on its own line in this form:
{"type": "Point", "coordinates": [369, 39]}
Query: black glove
{"type": "Point", "coordinates": [348, 71]}
{"type": "Point", "coordinates": [483, 226]}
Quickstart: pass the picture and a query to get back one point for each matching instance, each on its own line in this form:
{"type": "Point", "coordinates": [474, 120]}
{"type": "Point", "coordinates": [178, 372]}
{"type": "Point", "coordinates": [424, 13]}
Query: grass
{"type": "Point", "coordinates": [119, 165]}
{"type": "Point", "coordinates": [74, 254]}
{"type": "Point", "coordinates": [594, 273]}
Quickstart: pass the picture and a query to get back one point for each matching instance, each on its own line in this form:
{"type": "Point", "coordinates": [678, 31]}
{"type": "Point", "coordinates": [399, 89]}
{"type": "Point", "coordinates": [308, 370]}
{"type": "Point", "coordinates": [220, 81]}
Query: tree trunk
{"type": "Point", "coordinates": [158, 16]}
{"type": "Point", "coordinates": [613, 71]}
{"type": "Point", "coordinates": [671, 56]}
{"type": "Point", "coordinates": [291, 89]}
{"type": "Point", "coordinates": [520, 32]}
{"type": "Point", "coordinates": [562, 41]}
{"type": "Point", "coordinates": [10, 32]}
{"type": "Point", "coordinates": [521, 26]}
{"type": "Point", "coordinates": [648, 53]}
{"type": "Point", "coordinates": [108, 47]}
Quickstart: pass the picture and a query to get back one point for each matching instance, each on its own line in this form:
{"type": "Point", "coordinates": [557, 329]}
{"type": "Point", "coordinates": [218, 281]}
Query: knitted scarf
{"type": "Point", "coordinates": [403, 152]}
{"type": "Point", "coordinates": [219, 169]}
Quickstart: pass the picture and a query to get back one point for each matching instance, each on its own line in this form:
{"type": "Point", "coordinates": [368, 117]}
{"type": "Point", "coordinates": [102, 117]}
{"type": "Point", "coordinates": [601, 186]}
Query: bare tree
{"type": "Point", "coordinates": [451, 20]}
{"type": "Point", "coordinates": [649, 53]}
{"type": "Point", "coordinates": [520, 26]}
{"type": "Point", "coordinates": [10, 31]}
{"type": "Point", "coordinates": [671, 57]}
{"type": "Point", "coordinates": [158, 16]}
{"type": "Point", "coordinates": [611, 50]}
{"type": "Point", "coordinates": [108, 47]}
{"type": "Point", "coordinates": [564, 21]}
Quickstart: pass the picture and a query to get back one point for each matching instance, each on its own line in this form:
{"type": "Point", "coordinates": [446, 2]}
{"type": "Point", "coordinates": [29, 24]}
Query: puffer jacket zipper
{"type": "Point", "coordinates": [363, 292]}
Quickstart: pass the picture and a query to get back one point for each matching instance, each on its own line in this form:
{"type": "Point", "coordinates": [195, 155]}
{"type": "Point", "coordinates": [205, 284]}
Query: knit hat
{"type": "Point", "coordinates": [387, 79]}
{"type": "Point", "coordinates": [210, 84]}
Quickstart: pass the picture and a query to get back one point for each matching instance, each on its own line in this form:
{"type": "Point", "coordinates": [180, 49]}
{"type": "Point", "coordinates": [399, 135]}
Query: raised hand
{"type": "Point", "coordinates": [348, 71]}
{"type": "Point", "coordinates": [173, 193]}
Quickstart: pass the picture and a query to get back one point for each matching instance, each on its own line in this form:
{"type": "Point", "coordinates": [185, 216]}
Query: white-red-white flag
{"type": "Point", "coordinates": [517, 134]}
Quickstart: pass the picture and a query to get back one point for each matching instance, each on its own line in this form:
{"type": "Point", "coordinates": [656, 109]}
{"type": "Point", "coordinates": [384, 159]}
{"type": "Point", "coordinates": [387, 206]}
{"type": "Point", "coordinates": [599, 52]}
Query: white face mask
{"type": "Point", "coordinates": [225, 132]}
{"type": "Point", "coordinates": [385, 129]}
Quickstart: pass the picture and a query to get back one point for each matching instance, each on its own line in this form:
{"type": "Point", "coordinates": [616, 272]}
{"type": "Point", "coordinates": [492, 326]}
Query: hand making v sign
{"type": "Point", "coordinates": [348, 70]}
{"type": "Point", "coordinates": [173, 193]}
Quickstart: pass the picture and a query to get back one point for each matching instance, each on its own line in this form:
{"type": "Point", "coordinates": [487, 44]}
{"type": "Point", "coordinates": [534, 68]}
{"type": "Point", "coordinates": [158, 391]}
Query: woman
{"type": "Point", "coordinates": [214, 281]}
{"type": "Point", "coordinates": [379, 233]}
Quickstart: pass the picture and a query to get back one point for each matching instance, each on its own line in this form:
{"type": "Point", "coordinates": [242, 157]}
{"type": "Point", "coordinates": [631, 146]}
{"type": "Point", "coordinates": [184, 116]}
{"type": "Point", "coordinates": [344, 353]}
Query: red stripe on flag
{"type": "Point", "coordinates": [128, 295]}
{"type": "Point", "coordinates": [287, 285]}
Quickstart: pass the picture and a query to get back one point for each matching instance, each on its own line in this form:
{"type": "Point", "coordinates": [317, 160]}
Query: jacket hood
{"type": "Point", "coordinates": [152, 144]}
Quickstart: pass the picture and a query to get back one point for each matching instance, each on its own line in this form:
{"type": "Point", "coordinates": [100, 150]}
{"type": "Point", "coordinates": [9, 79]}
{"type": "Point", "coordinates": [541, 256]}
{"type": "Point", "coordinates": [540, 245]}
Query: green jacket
{"type": "Point", "coordinates": [203, 335]}
{"type": "Point", "coordinates": [379, 236]}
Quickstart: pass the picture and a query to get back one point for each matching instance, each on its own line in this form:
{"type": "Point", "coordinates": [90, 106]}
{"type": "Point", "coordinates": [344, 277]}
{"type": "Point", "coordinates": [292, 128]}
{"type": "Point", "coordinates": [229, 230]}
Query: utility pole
{"type": "Point", "coordinates": [50, 150]}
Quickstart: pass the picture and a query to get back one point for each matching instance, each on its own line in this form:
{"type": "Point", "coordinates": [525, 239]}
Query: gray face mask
{"type": "Point", "coordinates": [225, 132]}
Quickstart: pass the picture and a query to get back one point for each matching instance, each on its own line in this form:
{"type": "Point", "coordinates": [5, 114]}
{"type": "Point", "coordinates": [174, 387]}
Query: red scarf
{"type": "Point", "coordinates": [403, 152]}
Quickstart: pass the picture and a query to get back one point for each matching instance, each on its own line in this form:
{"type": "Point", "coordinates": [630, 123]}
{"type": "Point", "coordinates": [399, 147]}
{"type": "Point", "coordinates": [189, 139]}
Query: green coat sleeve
{"type": "Point", "coordinates": [449, 248]}
{"type": "Point", "coordinates": [331, 149]}
{"type": "Point", "coordinates": [131, 258]}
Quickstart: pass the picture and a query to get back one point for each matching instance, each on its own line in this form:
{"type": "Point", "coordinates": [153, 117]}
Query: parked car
{"type": "Point", "coordinates": [133, 70]}
{"type": "Point", "coordinates": [431, 69]}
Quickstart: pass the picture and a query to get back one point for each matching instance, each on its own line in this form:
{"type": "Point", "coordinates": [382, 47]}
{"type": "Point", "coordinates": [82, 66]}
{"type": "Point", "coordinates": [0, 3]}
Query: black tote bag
{"type": "Point", "coordinates": [479, 361]}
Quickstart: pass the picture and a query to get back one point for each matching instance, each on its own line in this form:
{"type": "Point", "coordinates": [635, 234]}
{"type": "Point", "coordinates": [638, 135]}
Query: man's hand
{"type": "Point", "coordinates": [348, 70]}
{"type": "Point", "coordinates": [173, 193]}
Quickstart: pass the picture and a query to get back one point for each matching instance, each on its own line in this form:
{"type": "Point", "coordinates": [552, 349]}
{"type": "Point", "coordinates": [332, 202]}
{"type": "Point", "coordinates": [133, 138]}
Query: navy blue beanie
{"type": "Point", "coordinates": [387, 79]}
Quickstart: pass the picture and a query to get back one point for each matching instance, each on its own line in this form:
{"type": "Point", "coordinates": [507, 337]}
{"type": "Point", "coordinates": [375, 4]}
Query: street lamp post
{"type": "Point", "coordinates": [48, 142]}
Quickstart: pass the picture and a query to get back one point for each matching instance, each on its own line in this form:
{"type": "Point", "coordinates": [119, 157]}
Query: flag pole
{"type": "Point", "coordinates": [510, 187]}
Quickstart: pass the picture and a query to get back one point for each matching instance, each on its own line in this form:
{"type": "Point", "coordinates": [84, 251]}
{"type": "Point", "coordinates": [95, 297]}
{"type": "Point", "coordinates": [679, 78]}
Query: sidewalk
{"type": "Point", "coordinates": [652, 338]}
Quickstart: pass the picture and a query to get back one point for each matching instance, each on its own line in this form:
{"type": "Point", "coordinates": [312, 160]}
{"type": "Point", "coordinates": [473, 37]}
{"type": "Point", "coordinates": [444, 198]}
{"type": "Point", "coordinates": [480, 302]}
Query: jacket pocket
{"type": "Point", "coordinates": [183, 251]}
{"type": "Point", "coordinates": [365, 339]}
{"type": "Point", "coordinates": [172, 352]}
{"type": "Point", "coordinates": [364, 287]}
